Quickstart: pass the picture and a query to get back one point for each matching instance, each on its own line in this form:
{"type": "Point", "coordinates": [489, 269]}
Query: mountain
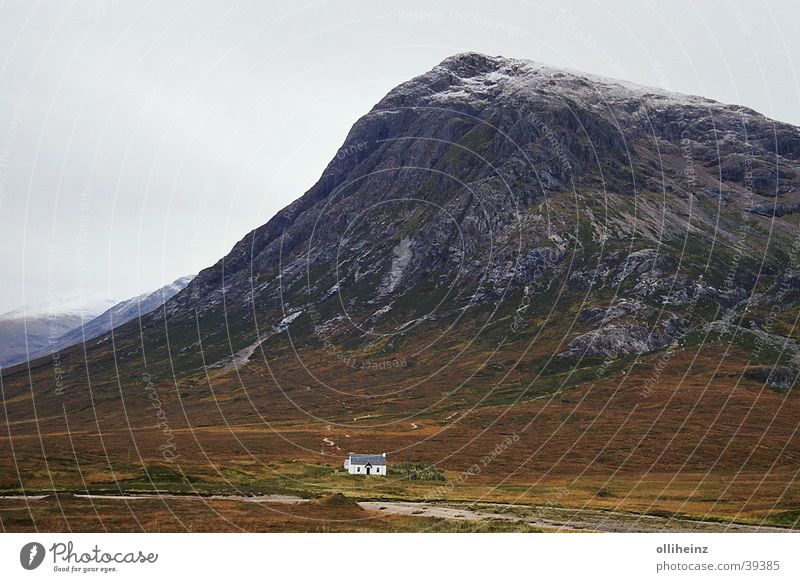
{"type": "Point", "coordinates": [603, 273]}
{"type": "Point", "coordinates": [487, 176]}
{"type": "Point", "coordinates": [121, 313]}
{"type": "Point", "coordinates": [43, 329]}
{"type": "Point", "coordinates": [31, 329]}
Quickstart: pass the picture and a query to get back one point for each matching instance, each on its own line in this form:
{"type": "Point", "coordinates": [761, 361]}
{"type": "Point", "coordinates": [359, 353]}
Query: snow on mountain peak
{"type": "Point", "coordinates": [471, 76]}
{"type": "Point", "coordinates": [79, 303]}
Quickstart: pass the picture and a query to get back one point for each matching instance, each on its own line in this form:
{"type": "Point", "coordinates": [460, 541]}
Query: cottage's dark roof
{"type": "Point", "coordinates": [374, 460]}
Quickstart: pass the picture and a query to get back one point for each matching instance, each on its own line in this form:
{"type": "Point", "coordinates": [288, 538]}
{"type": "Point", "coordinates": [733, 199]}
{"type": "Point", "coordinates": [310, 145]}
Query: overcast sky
{"type": "Point", "coordinates": [140, 140]}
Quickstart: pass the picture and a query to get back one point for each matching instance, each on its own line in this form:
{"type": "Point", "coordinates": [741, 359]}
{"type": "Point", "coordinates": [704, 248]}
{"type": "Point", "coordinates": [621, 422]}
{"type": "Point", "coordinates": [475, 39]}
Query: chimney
{"type": "Point", "coordinates": [384, 455]}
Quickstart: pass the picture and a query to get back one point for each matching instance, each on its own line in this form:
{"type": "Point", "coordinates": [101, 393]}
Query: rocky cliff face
{"type": "Point", "coordinates": [488, 178]}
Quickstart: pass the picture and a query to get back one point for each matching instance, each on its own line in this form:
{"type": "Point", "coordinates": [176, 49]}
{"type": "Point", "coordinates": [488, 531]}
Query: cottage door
{"type": "Point", "coordinates": [369, 468]}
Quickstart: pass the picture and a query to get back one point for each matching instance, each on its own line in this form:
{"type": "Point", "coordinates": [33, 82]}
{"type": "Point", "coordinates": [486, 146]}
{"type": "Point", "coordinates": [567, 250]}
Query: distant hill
{"type": "Point", "coordinates": [42, 329]}
{"type": "Point", "coordinates": [122, 312]}
{"type": "Point", "coordinates": [28, 331]}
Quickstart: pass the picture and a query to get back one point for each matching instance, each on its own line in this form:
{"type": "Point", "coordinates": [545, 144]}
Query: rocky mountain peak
{"type": "Point", "coordinates": [488, 176]}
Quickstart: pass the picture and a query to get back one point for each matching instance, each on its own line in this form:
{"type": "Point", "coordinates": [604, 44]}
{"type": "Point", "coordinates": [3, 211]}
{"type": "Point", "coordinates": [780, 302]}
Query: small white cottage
{"type": "Point", "coordinates": [357, 464]}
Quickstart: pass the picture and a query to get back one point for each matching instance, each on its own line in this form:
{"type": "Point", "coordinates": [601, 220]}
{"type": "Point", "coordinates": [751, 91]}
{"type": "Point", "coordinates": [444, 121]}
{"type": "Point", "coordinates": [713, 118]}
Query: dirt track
{"type": "Point", "coordinates": [557, 519]}
{"type": "Point", "coordinates": [545, 518]}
